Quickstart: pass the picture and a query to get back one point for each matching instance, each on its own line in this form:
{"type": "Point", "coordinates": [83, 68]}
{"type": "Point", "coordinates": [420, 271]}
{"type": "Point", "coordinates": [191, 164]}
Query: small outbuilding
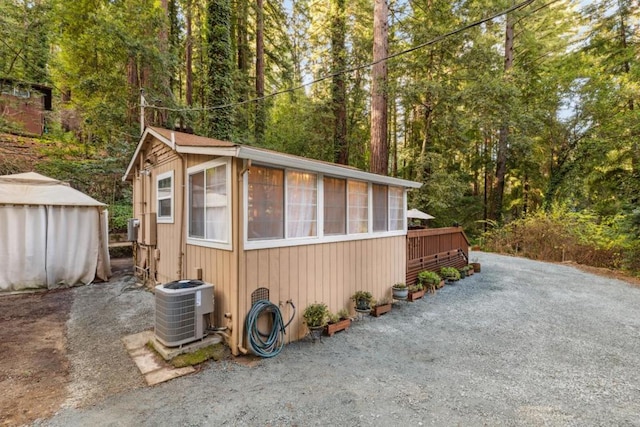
{"type": "Point", "coordinates": [51, 235]}
{"type": "Point", "coordinates": [259, 224]}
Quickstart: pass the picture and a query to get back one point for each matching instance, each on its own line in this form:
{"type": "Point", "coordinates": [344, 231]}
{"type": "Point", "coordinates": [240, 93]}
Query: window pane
{"type": "Point", "coordinates": [380, 207]}
{"type": "Point", "coordinates": [216, 208]}
{"type": "Point", "coordinates": [335, 206]}
{"type": "Point", "coordinates": [358, 207]}
{"type": "Point", "coordinates": [196, 205]}
{"type": "Point", "coordinates": [266, 203]}
{"type": "Point", "coordinates": [164, 208]}
{"type": "Point", "coordinates": [302, 195]}
{"type": "Point", "coordinates": [164, 183]}
{"type": "Point", "coordinates": [396, 208]}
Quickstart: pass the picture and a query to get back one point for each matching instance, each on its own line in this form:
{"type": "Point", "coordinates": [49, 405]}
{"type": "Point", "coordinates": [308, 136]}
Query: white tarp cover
{"type": "Point", "coordinates": [50, 234]}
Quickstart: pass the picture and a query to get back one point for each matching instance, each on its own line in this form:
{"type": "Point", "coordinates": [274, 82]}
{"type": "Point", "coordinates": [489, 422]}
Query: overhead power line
{"type": "Point", "coordinates": [353, 69]}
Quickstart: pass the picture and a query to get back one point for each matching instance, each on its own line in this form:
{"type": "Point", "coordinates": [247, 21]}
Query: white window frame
{"type": "Point", "coordinates": [197, 241]}
{"type": "Point", "coordinates": [320, 237]}
{"type": "Point", "coordinates": [403, 213]}
{"type": "Point", "coordinates": [165, 219]}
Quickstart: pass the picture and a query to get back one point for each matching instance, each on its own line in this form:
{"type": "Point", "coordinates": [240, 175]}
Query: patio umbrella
{"type": "Point", "coordinates": [415, 213]}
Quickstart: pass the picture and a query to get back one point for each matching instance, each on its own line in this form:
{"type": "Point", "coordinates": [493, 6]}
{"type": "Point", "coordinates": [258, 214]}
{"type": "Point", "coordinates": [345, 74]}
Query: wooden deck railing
{"type": "Point", "coordinates": [434, 248]}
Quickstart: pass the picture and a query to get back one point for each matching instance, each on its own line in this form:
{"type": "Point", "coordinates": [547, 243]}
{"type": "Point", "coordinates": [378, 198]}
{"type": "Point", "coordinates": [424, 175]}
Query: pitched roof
{"type": "Point", "coordinates": [185, 143]}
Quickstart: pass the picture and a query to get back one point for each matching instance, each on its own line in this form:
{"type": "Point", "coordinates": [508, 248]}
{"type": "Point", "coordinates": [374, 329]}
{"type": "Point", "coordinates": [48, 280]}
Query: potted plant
{"type": "Point", "coordinates": [469, 270]}
{"type": "Point", "coordinates": [338, 322]}
{"type": "Point", "coordinates": [363, 300]}
{"type": "Point", "coordinates": [399, 291]}
{"type": "Point", "coordinates": [316, 317]}
{"type": "Point", "coordinates": [430, 280]}
{"type": "Point", "coordinates": [451, 274]}
{"type": "Point", "coordinates": [381, 307]}
{"type": "Point", "coordinates": [476, 267]}
{"type": "Point", "coordinates": [415, 292]}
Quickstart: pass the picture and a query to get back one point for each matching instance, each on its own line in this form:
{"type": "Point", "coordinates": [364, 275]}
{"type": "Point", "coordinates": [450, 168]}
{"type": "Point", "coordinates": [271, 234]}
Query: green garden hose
{"type": "Point", "coordinates": [266, 345]}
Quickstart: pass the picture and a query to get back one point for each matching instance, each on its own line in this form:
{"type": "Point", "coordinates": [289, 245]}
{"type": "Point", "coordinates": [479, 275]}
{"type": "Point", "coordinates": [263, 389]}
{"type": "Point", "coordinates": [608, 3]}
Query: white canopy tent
{"type": "Point", "coordinates": [51, 235]}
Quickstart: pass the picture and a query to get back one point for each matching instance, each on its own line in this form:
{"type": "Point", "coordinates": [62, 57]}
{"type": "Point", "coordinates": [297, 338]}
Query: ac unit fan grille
{"type": "Point", "coordinates": [175, 317]}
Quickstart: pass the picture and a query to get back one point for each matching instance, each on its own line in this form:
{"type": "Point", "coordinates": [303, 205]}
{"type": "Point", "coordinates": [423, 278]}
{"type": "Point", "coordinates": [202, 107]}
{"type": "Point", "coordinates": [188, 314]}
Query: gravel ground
{"type": "Point", "coordinates": [100, 316]}
{"type": "Point", "coordinates": [522, 343]}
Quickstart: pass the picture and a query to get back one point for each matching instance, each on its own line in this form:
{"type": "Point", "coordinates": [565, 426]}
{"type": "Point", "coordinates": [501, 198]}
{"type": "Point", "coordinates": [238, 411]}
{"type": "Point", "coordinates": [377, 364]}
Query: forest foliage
{"type": "Point", "coordinates": [527, 120]}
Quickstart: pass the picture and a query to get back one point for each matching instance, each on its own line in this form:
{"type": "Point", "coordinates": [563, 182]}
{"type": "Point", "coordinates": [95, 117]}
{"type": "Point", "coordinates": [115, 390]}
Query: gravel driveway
{"type": "Point", "coordinates": [522, 343]}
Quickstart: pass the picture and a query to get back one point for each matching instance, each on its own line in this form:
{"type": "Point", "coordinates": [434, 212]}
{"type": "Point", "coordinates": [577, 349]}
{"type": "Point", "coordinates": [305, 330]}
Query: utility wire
{"type": "Point", "coordinates": [351, 70]}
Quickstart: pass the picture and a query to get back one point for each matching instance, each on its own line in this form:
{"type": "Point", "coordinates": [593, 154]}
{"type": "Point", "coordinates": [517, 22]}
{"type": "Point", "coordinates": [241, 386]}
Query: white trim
{"type": "Point", "coordinates": [209, 151]}
{"type": "Point", "coordinates": [147, 131]}
{"type": "Point", "coordinates": [165, 219]}
{"type": "Point", "coordinates": [280, 243]}
{"type": "Point", "coordinates": [193, 241]}
{"type": "Point", "coordinates": [197, 241]}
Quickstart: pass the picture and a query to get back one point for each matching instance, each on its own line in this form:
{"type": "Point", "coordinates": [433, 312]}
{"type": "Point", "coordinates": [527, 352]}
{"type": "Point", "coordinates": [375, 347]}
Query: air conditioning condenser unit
{"type": "Point", "coordinates": [182, 310]}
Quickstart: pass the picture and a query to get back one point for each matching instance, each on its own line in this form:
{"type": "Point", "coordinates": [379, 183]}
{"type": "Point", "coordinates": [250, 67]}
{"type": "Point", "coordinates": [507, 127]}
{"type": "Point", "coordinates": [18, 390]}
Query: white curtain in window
{"type": "Point", "coordinates": [216, 206]}
{"type": "Point", "coordinates": [396, 208]}
{"type": "Point", "coordinates": [302, 202]}
{"type": "Point", "coordinates": [358, 207]}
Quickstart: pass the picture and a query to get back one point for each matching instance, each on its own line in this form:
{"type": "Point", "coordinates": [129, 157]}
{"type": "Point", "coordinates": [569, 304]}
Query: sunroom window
{"type": "Point", "coordinates": [396, 208]}
{"type": "Point", "coordinates": [358, 207]}
{"type": "Point", "coordinates": [266, 203]}
{"type": "Point", "coordinates": [302, 204]}
{"type": "Point", "coordinates": [335, 206]}
{"type": "Point", "coordinates": [380, 200]}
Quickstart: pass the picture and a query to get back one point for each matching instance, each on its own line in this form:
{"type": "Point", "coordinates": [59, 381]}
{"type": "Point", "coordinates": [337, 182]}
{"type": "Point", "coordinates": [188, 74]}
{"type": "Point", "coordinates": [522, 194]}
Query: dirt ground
{"type": "Point", "coordinates": [34, 370]}
{"type": "Point", "coordinates": [34, 367]}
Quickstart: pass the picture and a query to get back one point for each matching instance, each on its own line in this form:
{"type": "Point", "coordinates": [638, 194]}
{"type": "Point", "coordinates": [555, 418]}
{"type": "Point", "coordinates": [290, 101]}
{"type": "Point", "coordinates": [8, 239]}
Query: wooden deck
{"type": "Point", "coordinates": [434, 248]}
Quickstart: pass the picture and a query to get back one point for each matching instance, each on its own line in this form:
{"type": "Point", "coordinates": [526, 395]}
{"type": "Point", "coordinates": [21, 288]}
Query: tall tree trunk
{"type": "Point", "coordinates": [394, 138]}
{"type": "Point", "coordinates": [379, 144]}
{"type": "Point", "coordinates": [338, 87]}
{"type": "Point", "coordinates": [133, 114]}
{"type": "Point", "coordinates": [219, 73]}
{"type": "Point", "coordinates": [501, 157]}
{"type": "Point", "coordinates": [260, 107]}
{"type": "Point", "coordinates": [188, 48]}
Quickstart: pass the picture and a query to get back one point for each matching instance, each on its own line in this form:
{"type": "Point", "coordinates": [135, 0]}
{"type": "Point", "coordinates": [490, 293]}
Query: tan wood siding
{"type": "Point", "coordinates": [162, 159]}
{"type": "Point", "coordinates": [168, 266]}
{"type": "Point", "coordinates": [328, 273]}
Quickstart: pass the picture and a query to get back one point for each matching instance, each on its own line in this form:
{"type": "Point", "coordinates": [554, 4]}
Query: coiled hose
{"type": "Point", "coordinates": [266, 345]}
